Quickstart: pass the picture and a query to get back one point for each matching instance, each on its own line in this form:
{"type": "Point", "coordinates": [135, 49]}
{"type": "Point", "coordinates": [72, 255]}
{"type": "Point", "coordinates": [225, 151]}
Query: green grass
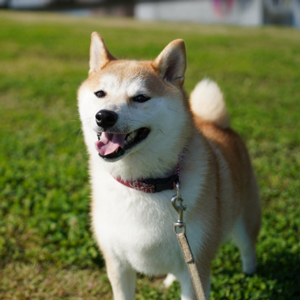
{"type": "Point", "coordinates": [46, 246]}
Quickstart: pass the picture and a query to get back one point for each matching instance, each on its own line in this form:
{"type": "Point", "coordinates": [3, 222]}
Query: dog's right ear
{"type": "Point", "coordinates": [99, 55]}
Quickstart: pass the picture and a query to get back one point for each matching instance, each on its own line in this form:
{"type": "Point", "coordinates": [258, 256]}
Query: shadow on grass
{"type": "Point", "coordinates": [281, 272]}
{"type": "Point", "coordinates": [277, 276]}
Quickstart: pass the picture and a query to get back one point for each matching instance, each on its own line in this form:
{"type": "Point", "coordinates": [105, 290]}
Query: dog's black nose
{"type": "Point", "coordinates": [106, 118]}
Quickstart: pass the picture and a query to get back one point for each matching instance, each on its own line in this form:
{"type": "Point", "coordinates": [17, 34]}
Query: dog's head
{"type": "Point", "coordinates": [135, 108]}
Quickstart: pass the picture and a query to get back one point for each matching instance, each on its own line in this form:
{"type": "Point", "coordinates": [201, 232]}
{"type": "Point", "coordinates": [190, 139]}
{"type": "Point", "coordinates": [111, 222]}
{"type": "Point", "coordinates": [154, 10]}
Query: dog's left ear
{"type": "Point", "coordinates": [171, 62]}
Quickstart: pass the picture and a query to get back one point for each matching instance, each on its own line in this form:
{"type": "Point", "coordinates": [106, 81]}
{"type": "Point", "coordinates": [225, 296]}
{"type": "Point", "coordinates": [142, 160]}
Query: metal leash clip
{"type": "Point", "coordinates": [180, 209]}
{"type": "Point", "coordinates": [184, 245]}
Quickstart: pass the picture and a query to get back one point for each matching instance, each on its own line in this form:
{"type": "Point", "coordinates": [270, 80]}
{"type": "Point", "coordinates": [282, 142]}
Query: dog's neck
{"type": "Point", "coordinates": [155, 185]}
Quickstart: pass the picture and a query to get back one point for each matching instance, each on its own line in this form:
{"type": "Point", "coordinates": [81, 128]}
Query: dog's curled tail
{"type": "Point", "coordinates": [208, 104]}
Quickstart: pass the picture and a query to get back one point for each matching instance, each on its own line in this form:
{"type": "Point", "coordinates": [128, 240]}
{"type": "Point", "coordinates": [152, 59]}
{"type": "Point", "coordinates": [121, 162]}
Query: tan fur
{"type": "Point", "coordinates": [237, 195]}
{"type": "Point", "coordinates": [228, 143]}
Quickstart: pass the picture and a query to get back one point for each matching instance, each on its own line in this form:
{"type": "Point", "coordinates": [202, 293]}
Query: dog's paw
{"type": "Point", "coordinates": [169, 280]}
{"type": "Point", "coordinates": [249, 266]}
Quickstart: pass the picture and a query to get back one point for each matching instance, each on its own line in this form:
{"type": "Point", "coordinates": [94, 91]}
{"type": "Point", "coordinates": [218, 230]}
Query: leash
{"type": "Point", "coordinates": [184, 245]}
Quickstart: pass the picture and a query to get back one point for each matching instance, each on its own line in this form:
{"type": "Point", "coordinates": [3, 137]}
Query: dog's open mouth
{"type": "Point", "coordinates": [114, 145]}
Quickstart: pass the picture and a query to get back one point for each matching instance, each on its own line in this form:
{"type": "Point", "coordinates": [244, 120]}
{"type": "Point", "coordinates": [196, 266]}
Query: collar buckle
{"type": "Point", "coordinates": [161, 184]}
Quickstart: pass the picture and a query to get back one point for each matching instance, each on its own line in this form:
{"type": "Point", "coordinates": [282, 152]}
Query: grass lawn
{"type": "Point", "coordinates": [46, 246]}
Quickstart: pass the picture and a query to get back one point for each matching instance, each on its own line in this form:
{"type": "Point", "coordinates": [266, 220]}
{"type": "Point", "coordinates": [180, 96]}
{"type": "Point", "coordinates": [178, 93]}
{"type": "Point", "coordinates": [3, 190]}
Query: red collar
{"type": "Point", "coordinates": [155, 185]}
{"type": "Point", "coordinates": [151, 185]}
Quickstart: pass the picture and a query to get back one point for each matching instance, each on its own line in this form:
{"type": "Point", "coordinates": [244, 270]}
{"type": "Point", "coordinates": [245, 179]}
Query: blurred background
{"type": "Point", "coordinates": [235, 12]}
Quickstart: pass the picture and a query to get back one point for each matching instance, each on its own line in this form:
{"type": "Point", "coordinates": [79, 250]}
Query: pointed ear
{"type": "Point", "coordinates": [99, 55]}
{"type": "Point", "coordinates": [171, 63]}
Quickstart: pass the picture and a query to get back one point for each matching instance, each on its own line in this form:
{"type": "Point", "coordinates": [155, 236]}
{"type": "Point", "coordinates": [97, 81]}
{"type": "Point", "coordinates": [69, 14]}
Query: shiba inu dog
{"type": "Point", "coordinates": [143, 135]}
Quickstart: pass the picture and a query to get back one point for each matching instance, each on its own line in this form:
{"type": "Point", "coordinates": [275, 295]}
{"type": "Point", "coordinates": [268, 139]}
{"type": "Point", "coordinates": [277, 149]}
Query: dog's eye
{"type": "Point", "coordinates": [100, 94]}
{"type": "Point", "coordinates": [140, 98]}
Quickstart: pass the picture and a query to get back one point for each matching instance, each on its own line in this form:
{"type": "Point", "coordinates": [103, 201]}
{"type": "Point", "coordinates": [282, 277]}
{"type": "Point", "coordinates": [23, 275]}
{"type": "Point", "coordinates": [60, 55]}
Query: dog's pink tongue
{"type": "Point", "coordinates": [109, 143]}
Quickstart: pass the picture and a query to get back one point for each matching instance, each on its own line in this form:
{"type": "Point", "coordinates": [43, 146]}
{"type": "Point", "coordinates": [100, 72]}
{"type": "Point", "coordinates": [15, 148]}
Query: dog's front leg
{"type": "Point", "coordinates": [122, 278]}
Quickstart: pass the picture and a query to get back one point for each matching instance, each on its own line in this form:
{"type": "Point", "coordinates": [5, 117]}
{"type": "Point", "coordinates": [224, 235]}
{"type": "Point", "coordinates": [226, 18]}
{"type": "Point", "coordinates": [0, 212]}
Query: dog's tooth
{"type": "Point", "coordinates": [131, 136]}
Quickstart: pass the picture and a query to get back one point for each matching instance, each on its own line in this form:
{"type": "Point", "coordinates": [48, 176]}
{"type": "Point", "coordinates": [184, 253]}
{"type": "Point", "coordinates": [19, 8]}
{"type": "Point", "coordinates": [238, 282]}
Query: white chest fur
{"type": "Point", "coordinates": [136, 227]}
